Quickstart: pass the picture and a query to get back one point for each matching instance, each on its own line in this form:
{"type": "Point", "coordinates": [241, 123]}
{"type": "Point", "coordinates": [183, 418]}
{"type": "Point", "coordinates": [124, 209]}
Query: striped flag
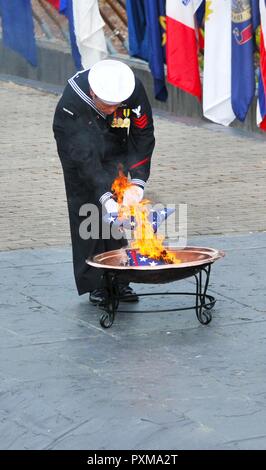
{"type": "Point", "coordinates": [182, 46]}
{"type": "Point", "coordinates": [155, 218]}
{"type": "Point", "coordinates": [136, 259]}
{"type": "Point", "coordinates": [217, 73]}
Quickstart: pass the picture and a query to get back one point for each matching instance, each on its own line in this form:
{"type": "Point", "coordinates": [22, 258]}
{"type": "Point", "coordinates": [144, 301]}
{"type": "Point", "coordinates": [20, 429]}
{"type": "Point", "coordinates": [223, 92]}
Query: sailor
{"type": "Point", "coordinates": [102, 121]}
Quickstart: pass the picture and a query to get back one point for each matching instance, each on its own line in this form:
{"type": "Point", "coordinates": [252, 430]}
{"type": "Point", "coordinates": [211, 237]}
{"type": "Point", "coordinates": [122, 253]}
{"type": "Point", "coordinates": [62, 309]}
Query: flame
{"type": "Point", "coordinates": [120, 184]}
{"type": "Point", "coordinates": [145, 240]}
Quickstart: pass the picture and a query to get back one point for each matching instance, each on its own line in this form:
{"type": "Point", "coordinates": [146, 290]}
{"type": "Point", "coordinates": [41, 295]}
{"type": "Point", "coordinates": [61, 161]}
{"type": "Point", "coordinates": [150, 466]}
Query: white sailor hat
{"type": "Point", "coordinates": [112, 81]}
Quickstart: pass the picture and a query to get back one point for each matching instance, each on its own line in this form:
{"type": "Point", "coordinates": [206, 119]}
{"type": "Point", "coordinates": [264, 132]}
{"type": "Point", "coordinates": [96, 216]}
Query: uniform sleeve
{"type": "Point", "coordinates": [87, 158]}
{"type": "Point", "coordinates": [81, 150]}
{"type": "Point", "coordinates": [141, 139]}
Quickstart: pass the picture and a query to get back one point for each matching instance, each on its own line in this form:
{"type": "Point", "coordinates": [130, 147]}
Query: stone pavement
{"type": "Point", "coordinates": [154, 380]}
{"type": "Point", "coordinates": [219, 173]}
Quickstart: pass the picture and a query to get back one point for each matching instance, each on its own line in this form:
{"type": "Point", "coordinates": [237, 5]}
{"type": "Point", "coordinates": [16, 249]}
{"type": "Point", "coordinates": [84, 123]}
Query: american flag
{"type": "Point", "coordinates": [128, 223]}
{"type": "Point", "coordinates": [136, 259]}
{"type": "Point", "coordinates": [156, 218]}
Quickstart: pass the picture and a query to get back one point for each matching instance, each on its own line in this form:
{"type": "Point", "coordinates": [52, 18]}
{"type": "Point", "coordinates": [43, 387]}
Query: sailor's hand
{"type": "Point", "coordinates": [111, 206]}
{"type": "Point", "coordinates": [133, 195]}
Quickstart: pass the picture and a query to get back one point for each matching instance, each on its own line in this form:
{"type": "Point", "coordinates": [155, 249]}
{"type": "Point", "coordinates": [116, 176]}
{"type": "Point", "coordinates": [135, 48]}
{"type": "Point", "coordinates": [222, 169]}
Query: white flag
{"type": "Point", "coordinates": [88, 25]}
{"type": "Point", "coordinates": [217, 63]}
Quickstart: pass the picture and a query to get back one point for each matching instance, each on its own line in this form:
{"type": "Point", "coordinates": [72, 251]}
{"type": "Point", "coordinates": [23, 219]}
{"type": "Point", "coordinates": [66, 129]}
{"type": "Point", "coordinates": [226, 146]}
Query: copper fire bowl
{"type": "Point", "coordinates": [192, 258]}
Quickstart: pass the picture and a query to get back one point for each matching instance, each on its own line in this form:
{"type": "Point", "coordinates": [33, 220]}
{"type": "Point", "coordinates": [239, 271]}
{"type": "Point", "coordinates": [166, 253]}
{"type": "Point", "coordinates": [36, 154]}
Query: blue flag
{"type": "Point", "coordinates": [200, 13]}
{"type": "Point", "coordinates": [18, 29]}
{"type": "Point", "coordinates": [147, 38]}
{"type": "Point", "coordinates": [261, 97]}
{"type": "Point", "coordinates": [155, 11]}
{"type": "Point", "coordinates": [255, 9]}
{"type": "Point", "coordinates": [137, 29]}
{"type": "Point", "coordinates": [66, 8]}
{"type": "Point", "coordinates": [243, 75]}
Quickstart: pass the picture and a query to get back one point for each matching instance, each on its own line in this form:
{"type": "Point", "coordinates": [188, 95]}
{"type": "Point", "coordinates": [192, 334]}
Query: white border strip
{"type": "Point", "coordinates": [83, 96]}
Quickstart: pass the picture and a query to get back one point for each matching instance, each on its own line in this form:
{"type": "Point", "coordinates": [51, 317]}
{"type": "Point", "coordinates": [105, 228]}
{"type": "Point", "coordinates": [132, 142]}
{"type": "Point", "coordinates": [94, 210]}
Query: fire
{"type": "Point", "coordinates": [145, 240]}
{"type": "Point", "coordinates": [119, 186]}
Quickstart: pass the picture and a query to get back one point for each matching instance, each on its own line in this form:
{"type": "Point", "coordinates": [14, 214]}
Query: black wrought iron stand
{"type": "Point", "coordinates": [204, 302]}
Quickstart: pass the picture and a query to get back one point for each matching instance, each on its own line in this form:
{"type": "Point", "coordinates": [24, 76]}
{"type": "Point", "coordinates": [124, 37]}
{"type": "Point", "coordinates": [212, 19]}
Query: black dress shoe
{"type": "Point", "coordinates": [126, 294]}
{"type": "Point", "coordinates": [97, 296]}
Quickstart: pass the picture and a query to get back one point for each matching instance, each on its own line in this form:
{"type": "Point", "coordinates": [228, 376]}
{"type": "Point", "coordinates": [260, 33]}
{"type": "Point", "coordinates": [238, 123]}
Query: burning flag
{"type": "Point", "coordinates": [143, 222]}
{"type": "Point", "coordinates": [136, 259]}
{"type": "Point", "coordinates": [156, 218]}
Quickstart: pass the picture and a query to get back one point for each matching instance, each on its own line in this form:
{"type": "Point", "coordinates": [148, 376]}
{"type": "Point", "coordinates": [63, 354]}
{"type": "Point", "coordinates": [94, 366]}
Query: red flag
{"type": "Point", "coordinates": [55, 3]}
{"type": "Point", "coordinates": [201, 39]}
{"type": "Point", "coordinates": [261, 105]}
{"type": "Point", "coordinates": [182, 46]}
{"type": "Point", "coordinates": [263, 77]}
{"type": "Point", "coordinates": [263, 59]}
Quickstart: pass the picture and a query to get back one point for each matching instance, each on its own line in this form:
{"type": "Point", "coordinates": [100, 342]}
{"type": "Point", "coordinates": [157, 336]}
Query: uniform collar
{"type": "Point", "coordinates": [84, 96]}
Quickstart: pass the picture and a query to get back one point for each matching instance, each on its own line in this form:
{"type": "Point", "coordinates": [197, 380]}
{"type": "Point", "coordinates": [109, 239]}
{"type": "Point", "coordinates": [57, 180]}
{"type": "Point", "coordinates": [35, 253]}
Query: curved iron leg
{"type": "Point", "coordinates": [204, 302]}
{"type": "Point", "coordinates": [111, 300]}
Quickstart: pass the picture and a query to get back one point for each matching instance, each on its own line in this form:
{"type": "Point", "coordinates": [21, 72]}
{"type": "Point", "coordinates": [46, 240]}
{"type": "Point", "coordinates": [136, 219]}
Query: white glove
{"type": "Point", "coordinates": [111, 206]}
{"type": "Point", "coordinates": [133, 195]}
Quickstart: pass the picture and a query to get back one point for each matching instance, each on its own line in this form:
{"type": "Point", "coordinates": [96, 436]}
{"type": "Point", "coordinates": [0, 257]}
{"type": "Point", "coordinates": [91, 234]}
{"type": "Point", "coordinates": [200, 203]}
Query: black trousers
{"type": "Point", "coordinates": [79, 195]}
{"type": "Point", "coordinates": [87, 277]}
